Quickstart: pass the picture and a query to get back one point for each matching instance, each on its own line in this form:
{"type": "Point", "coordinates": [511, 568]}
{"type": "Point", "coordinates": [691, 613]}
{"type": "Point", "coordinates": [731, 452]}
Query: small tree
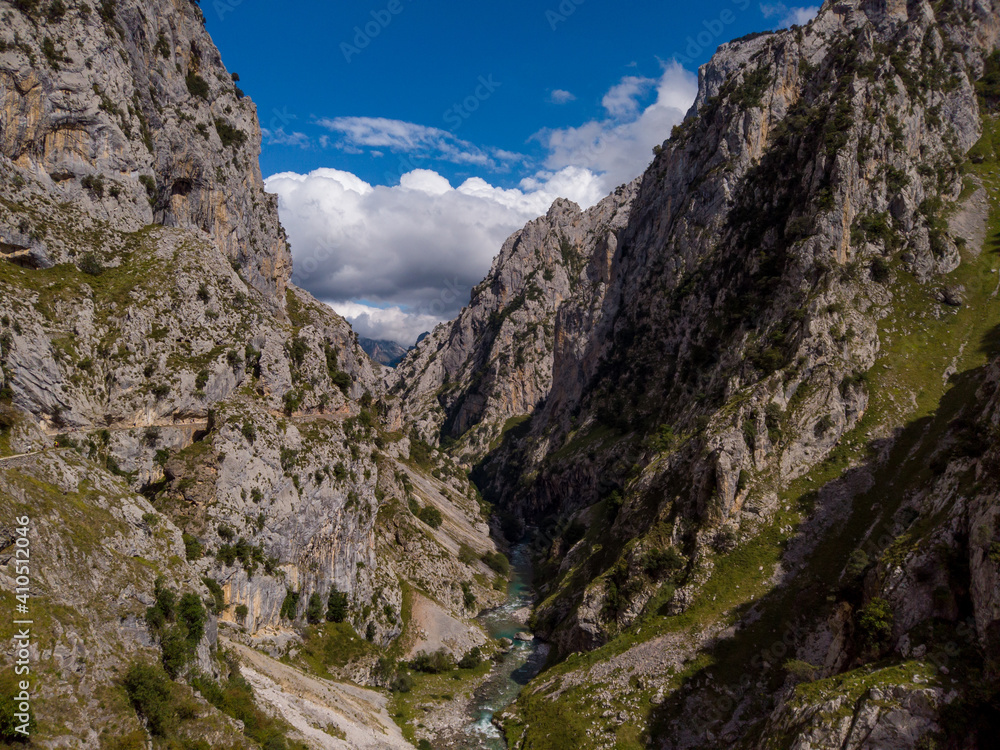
{"type": "Point", "coordinates": [431, 516]}
{"type": "Point", "coordinates": [336, 608]}
{"type": "Point", "coordinates": [314, 611]}
{"type": "Point", "coordinates": [875, 621]}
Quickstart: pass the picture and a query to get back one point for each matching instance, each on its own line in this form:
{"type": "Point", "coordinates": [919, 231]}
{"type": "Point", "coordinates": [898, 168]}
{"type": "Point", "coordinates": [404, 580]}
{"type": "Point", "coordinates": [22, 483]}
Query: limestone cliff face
{"type": "Point", "coordinates": [494, 363]}
{"type": "Point", "coordinates": [159, 369]}
{"type": "Point", "coordinates": [126, 111]}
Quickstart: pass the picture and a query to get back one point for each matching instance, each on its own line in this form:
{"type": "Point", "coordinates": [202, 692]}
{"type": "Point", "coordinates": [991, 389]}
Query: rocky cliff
{"type": "Point", "coordinates": [796, 304]}
{"type": "Point", "coordinates": [475, 378]}
{"type": "Point", "coordinates": [188, 426]}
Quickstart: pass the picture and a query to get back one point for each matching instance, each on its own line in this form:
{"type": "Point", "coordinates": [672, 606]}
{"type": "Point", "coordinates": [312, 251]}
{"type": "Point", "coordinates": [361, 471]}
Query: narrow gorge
{"type": "Point", "coordinates": [738, 423]}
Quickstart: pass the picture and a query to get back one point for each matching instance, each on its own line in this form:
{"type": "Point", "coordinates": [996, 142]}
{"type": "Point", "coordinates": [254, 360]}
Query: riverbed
{"type": "Point", "coordinates": [516, 668]}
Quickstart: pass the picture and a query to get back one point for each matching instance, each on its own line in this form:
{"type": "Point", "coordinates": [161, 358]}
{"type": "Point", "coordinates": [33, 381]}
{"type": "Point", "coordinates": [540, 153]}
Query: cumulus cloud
{"type": "Point", "coordinates": [397, 259]}
{"type": "Point", "coordinates": [561, 96]}
{"type": "Point", "coordinates": [622, 101]}
{"type": "Point", "coordinates": [789, 16]}
{"type": "Point", "coordinates": [417, 248]}
{"type": "Point", "coordinates": [620, 145]}
{"type": "Point", "coordinates": [385, 323]}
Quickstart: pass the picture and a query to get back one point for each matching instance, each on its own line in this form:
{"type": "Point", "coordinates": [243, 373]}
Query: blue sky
{"type": "Point", "coordinates": [407, 138]}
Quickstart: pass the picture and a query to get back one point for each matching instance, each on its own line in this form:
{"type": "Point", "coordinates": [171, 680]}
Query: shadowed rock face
{"type": "Point", "coordinates": [135, 119]}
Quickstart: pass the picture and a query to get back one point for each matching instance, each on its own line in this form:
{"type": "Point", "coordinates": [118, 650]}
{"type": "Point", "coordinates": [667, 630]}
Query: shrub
{"type": "Point", "coordinates": [875, 621]}
{"type": "Point", "coordinates": [160, 391]}
{"type": "Point", "coordinates": [403, 683]}
{"type": "Point", "coordinates": [880, 270]}
{"type": "Point", "coordinates": [163, 607]}
{"type": "Point", "coordinates": [230, 136]}
{"type": "Point", "coordinates": [191, 612]}
{"type": "Point", "coordinates": [196, 85]}
{"type": "Point", "coordinates": [202, 380]}
{"type": "Point", "coordinates": [725, 540]}
{"type": "Point", "coordinates": [314, 610]}
{"type": "Point", "coordinates": [292, 400]}
{"type": "Point", "coordinates": [823, 425]}
{"type": "Point", "coordinates": [472, 659]}
{"type": "Point", "coordinates": [225, 532]}
{"type": "Point", "coordinates": [203, 294]}
{"type": "Point", "coordinates": [773, 416]}
{"type": "Point", "coordinates": [336, 606]}
{"type": "Point", "coordinates": [466, 555]}
{"type": "Point", "coordinates": [857, 564]}
{"type": "Point", "coordinates": [107, 10]}
{"type": "Point", "coordinates": [162, 47]}
{"type": "Point", "coordinates": [94, 183]}
{"type": "Point", "coordinates": [801, 671]}
{"type": "Point", "coordinates": [241, 612]}
{"type": "Point", "coordinates": [175, 651]}
{"type": "Point", "coordinates": [151, 435]}
{"type": "Point", "coordinates": [249, 431]}
{"type": "Point", "coordinates": [436, 663]}
{"type": "Point", "coordinates": [9, 722]}
{"type": "Point", "coordinates": [218, 595]}
{"type": "Point", "coordinates": [289, 607]}
{"type": "Point", "coordinates": [994, 553]}
{"type": "Point", "coordinates": [149, 692]}
{"type": "Point", "coordinates": [90, 265]}
{"type": "Point", "coordinates": [468, 597]}
{"type": "Point", "coordinates": [431, 516]}
{"type": "Point", "coordinates": [498, 562]}
{"type": "Point", "coordinates": [659, 563]}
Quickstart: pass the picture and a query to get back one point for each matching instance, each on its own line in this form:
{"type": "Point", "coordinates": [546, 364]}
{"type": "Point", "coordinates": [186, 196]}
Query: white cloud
{"type": "Point", "coordinates": [789, 16]}
{"type": "Point", "coordinates": [388, 324]}
{"type": "Point", "coordinates": [398, 136]}
{"type": "Point", "coordinates": [395, 260]}
{"type": "Point", "coordinates": [561, 96]}
{"type": "Point", "coordinates": [622, 101]}
{"type": "Point", "coordinates": [620, 146]}
{"type": "Point", "coordinates": [418, 247]}
{"type": "Point", "coordinates": [280, 138]}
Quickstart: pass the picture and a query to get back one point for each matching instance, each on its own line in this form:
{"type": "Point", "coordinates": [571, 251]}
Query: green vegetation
{"type": "Point", "coordinates": [290, 605]}
{"type": "Point", "coordinates": [250, 556]}
{"type": "Point", "coordinates": [875, 624]}
{"type": "Point", "coordinates": [231, 137]}
{"type": "Point", "coordinates": [336, 606]}
{"type": "Point", "coordinates": [153, 697]}
{"type": "Point", "coordinates": [338, 377]}
{"type": "Point", "coordinates": [234, 697]}
{"type": "Point", "coordinates": [179, 626]}
{"type": "Point", "coordinates": [197, 86]}
{"type": "Point", "coordinates": [331, 646]}
{"type": "Point", "coordinates": [431, 516]}
{"type": "Point", "coordinates": [218, 595]}
{"type": "Point", "coordinates": [314, 609]}
{"type": "Point", "coordinates": [498, 562]}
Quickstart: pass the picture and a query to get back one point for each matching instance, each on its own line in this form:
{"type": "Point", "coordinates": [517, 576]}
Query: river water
{"type": "Point", "coordinates": [516, 668]}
